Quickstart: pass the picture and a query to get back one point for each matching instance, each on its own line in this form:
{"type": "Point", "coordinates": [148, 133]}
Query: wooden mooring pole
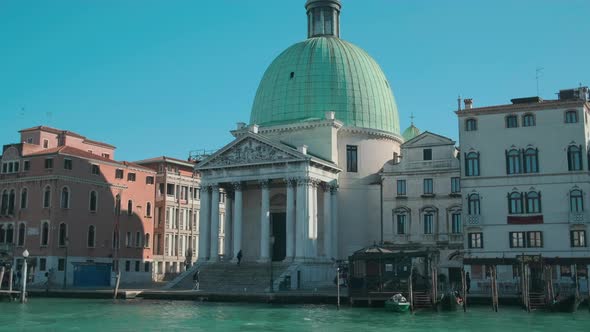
{"type": "Point", "coordinates": [464, 288]}
{"type": "Point", "coordinates": [2, 269]}
{"type": "Point", "coordinates": [117, 279]}
{"type": "Point", "coordinates": [10, 278]}
{"type": "Point", "coordinates": [494, 288]}
{"type": "Point", "coordinates": [410, 286]}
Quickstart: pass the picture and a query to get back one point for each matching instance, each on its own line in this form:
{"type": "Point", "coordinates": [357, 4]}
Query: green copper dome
{"type": "Point", "coordinates": [321, 74]}
{"type": "Point", "coordinates": [411, 132]}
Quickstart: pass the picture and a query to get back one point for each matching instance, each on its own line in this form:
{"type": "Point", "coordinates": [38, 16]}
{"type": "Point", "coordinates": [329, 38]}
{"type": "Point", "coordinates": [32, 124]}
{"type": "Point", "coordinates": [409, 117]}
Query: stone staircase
{"type": "Point", "coordinates": [422, 300]}
{"type": "Point", "coordinates": [537, 301]}
{"type": "Point", "coordinates": [225, 277]}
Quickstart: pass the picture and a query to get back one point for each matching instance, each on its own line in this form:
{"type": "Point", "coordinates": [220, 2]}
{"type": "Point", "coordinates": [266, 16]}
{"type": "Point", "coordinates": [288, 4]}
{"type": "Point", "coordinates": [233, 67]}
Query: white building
{"type": "Point", "coordinates": [422, 200]}
{"type": "Point", "coordinates": [525, 184]}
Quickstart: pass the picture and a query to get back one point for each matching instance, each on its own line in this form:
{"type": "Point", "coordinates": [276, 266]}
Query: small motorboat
{"type": "Point", "coordinates": [397, 303]}
{"type": "Point", "coordinates": [449, 302]}
{"type": "Point", "coordinates": [568, 304]}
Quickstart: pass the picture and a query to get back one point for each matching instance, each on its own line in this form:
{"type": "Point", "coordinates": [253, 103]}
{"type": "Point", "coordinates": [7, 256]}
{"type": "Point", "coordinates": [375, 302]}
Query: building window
{"type": "Point", "coordinates": [62, 235]}
{"type": "Point", "coordinates": [130, 176]}
{"type": "Point", "coordinates": [515, 204]}
{"type": "Point", "coordinates": [9, 234]}
{"type": "Point", "coordinates": [475, 240]}
{"type": "Point", "coordinates": [48, 163]}
{"type": "Point", "coordinates": [47, 197]}
{"type": "Point", "coordinates": [473, 206]}
{"type": "Point", "coordinates": [68, 164]}
{"type": "Point", "coordinates": [95, 170]}
{"type": "Point", "coordinates": [428, 224]}
{"type": "Point", "coordinates": [4, 207]}
{"type": "Point", "coordinates": [129, 207]}
{"type": "Point", "coordinates": [528, 120]}
{"type": "Point", "coordinates": [148, 209]}
{"type": "Point", "coordinates": [24, 198]}
{"type": "Point", "coordinates": [137, 266]}
{"type": "Point", "coordinates": [576, 201]}
{"type": "Point", "coordinates": [401, 187]}
{"type": "Point", "coordinates": [512, 162]}
{"type": "Point", "coordinates": [578, 239]}
{"type": "Point", "coordinates": [61, 264]}
{"type": "Point", "coordinates": [146, 240]}
{"type": "Point", "coordinates": [118, 174]}
{"type": "Point", "coordinates": [26, 165]}
{"type": "Point", "coordinates": [128, 239]}
{"type": "Point", "coordinates": [65, 198]}
{"type": "Point", "coordinates": [470, 125]}
{"type": "Point", "coordinates": [574, 158]}
{"type": "Point", "coordinates": [533, 202]}
{"type": "Point", "coordinates": [42, 264]}
{"type": "Point", "coordinates": [531, 160]}
{"type": "Point", "coordinates": [170, 189]}
{"type": "Point", "coordinates": [352, 158]}
{"type": "Point", "coordinates": [93, 201]}
{"type": "Point", "coordinates": [11, 202]}
{"type": "Point", "coordinates": [455, 185]}
{"type": "Point", "coordinates": [149, 180]}
{"type": "Point", "coordinates": [127, 266]}
{"type": "Point", "coordinates": [137, 239]}
{"type": "Point", "coordinates": [401, 224]}
{"type": "Point", "coordinates": [511, 121]}
{"type": "Point", "coordinates": [571, 117]}
{"type": "Point", "coordinates": [472, 164]}
{"type": "Point", "coordinates": [44, 234]}
{"type": "Point", "coordinates": [146, 267]}
{"type": "Point", "coordinates": [427, 154]}
{"type": "Point", "coordinates": [456, 223]}
{"type": "Point", "coordinates": [91, 237]}
{"type": "Point", "coordinates": [45, 144]}
{"type": "Point", "coordinates": [516, 239]}
{"type": "Point", "coordinates": [535, 239]}
{"type": "Point", "coordinates": [118, 205]}
{"type": "Point", "coordinates": [428, 187]}
{"type": "Point", "coordinates": [20, 240]}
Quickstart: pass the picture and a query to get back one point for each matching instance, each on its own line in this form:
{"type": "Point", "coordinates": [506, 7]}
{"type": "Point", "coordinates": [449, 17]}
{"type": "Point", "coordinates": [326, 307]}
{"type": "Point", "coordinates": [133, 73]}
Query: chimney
{"type": "Point", "coordinates": [254, 129]}
{"type": "Point", "coordinates": [468, 103]}
{"type": "Point", "coordinates": [302, 149]}
{"type": "Point", "coordinates": [330, 115]}
{"type": "Point", "coordinates": [241, 125]}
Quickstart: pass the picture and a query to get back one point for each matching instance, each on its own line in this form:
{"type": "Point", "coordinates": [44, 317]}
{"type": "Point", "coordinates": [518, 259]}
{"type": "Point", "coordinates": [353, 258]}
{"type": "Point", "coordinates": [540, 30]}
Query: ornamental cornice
{"type": "Point", "coordinates": [62, 178]}
{"type": "Point", "coordinates": [379, 134]}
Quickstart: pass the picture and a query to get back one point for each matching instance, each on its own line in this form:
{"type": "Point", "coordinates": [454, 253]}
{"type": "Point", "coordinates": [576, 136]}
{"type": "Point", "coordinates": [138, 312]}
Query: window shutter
{"type": "Point", "coordinates": [509, 203]}
{"type": "Point", "coordinates": [541, 237]}
{"type": "Point", "coordinates": [478, 162]}
{"type": "Point", "coordinates": [470, 240]}
{"type": "Point", "coordinates": [540, 209]}
{"type": "Point", "coordinates": [537, 160]}
{"type": "Point", "coordinates": [580, 157]}
{"type": "Point", "coordinates": [466, 165]}
{"type": "Point", "coordinates": [481, 238]}
{"type": "Point", "coordinates": [524, 202]}
{"type": "Point", "coordinates": [521, 161]}
{"type": "Point", "coordinates": [572, 239]}
{"type": "Point", "coordinates": [569, 159]}
{"type": "Point", "coordinates": [507, 162]}
{"type": "Point", "coordinates": [510, 239]}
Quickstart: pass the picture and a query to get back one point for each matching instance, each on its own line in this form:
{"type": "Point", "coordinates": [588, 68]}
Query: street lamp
{"type": "Point", "coordinates": [272, 242]}
{"type": "Point", "coordinates": [24, 288]}
{"type": "Point", "coordinates": [66, 263]}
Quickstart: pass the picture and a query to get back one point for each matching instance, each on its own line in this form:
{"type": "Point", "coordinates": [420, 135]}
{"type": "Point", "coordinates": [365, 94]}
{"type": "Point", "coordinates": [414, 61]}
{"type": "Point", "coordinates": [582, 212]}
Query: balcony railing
{"type": "Point", "coordinates": [402, 238]}
{"type": "Point", "coordinates": [578, 217]}
{"type": "Point", "coordinates": [456, 238]}
{"type": "Point", "coordinates": [473, 219]}
{"type": "Point", "coordinates": [429, 164]}
{"type": "Point", "coordinates": [428, 237]}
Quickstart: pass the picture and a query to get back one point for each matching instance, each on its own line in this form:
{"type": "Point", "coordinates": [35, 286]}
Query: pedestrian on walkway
{"type": "Point", "coordinates": [239, 256]}
{"type": "Point", "coordinates": [196, 280]}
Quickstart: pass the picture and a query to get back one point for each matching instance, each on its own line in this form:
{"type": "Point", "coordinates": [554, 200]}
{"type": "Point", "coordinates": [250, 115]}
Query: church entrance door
{"type": "Point", "coordinates": [279, 232]}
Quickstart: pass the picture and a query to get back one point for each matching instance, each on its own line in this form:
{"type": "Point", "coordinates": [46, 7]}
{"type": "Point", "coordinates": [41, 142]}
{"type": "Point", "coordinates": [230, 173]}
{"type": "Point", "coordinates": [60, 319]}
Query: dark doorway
{"type": "Point", "coordinates": [279, 231]}
{"type": "Point", "coordinates": [455, 277]}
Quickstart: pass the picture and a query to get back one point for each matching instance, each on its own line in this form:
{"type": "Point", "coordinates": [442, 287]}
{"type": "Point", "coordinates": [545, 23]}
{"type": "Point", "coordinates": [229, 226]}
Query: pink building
{"type": "Point", "coordinates": [80, 214]}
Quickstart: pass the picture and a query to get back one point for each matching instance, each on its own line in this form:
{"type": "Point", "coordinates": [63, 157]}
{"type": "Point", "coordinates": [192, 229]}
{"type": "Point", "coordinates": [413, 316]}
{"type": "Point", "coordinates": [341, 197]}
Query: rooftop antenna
{"type": "Point", "coordinates": [459, 102]}
{"type": "Point", "coordinates": [538, 75]}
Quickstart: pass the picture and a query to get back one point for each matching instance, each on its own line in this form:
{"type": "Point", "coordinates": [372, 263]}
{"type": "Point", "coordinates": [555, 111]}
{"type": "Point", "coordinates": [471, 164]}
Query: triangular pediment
{"type": "Point", "coordinates": [427, 139]}
{"type": "Point", "coordinates": [251, 149]}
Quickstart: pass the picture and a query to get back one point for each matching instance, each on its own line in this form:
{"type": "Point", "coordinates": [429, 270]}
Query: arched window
{"type": "Point", "coordinates": [428, 221]}
{"type": "Point", "coordinates": [137, 239]}
{"type": "Point", "coordinates": [47, 197]}
{"type": "Point", "coordinates": [513, 162]}
{"type": "Point", "coordinates": [65, 198]}
{"type": "Point", "coordinates": [146, 242]}
{"type": "Point", "coordinates": [4, 208]}
{"type": "Point", "coordinates": [571, 116]}
{"type": "Point", "coordinates": [118, 205]}
{"type": "Point", "coordinates": [472, 164]}
{"type": "Point", "coordinates": [45, 234]}
{"type": "Point", "coordinates": [129, 207]}
{"type": "Point", "coordinates": [515, 204]}
{"type": "Point", "coordinates": [531, 160]}
{"type": "Point", "coordinates": [528, 120]}
{"type": "Point", "coordinates": [93, 201]}
{"type": "Point", "coordinates": [511, 121]}
{"type": "Point", "coordinates": [574, 158]}
{"type": "Point", "coordinates": [473, 206]}
{"type": "Point", "coordinates": [21, 235]}
{"type": "Point", "coordinates": [91, 237]}
{"type": "Point", "coordinates": [148, 209]}
{"type": "Point", "coordinates": [24, 198]}
{"type": "Point", "coordinates": [62, 235]}
{"type": "Point", "coordinates": [576, 201]}
{"type": "Point", "coordinates": [401, 223]}
{"type": "Point", "coordinates": [470, 125]}
{"type": "Point", "coordinates": [11, 199]}
{"type": "Point", "coordinates": [2, 234]}
{"type": "Point", "coordinates": [533, 202]}
{"type": "Point", "coordinates": [10, 234]}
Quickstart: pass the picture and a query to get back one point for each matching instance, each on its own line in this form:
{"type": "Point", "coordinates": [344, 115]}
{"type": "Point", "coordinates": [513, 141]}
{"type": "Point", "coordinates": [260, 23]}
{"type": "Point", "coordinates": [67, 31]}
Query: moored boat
{"type": "Point", "coordinates": [449, 302]}
{"type": "Point", "coordinates": [397, 303]}
{"type": "Point", "coordinates": [568, 304]}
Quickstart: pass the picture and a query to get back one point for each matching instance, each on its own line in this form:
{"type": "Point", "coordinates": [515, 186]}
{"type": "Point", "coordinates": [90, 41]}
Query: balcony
{"type": "Point", "coordinates": [473, 219]}
{"type": "Point", "coordinates": [401, 238]}
{"type": "Point", "coordinates": [578, 218]}
{"type": "Point", "coordinates": [428, 237]}
{"type": "Point", "coordinates": [430, 164]}
{"type": "Point", "coordinates": [456, 238]}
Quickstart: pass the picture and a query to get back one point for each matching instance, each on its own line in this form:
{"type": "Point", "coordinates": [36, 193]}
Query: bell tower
{"type": "Point", "coordinates": [323, 18]}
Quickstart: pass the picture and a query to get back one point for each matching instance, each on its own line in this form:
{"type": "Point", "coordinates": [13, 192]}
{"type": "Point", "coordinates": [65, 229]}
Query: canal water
{"type": "Point", "coordinates": [145, 315]}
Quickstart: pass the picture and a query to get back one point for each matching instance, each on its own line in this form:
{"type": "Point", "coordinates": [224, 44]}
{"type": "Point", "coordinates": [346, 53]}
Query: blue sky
{"type": "Point", "coordinates": [166, 77]}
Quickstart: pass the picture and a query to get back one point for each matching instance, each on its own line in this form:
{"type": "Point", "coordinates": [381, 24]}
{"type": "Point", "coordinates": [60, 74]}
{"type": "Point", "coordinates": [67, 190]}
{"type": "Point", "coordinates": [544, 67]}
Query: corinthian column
{"type": "Point", "coordinates": [204, 220]}
{"type": "Point", "coordinates": [264, 221]}
{"type": "Point", "coordinates": [301, 221]}
{"type": "Point", "coordinates": [327, 197]}
{"type": "Point", "coordinates": [334, 193]}
{"type": "Point", "coordinates": [237, 222]}
{"type": "Point", "coordinates": [214, 256]}
{"type": "Point", "coordinates": [290, 219]}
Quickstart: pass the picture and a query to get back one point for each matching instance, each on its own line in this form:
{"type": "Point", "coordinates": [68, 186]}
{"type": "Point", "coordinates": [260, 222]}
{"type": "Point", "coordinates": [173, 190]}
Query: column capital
{"type": "Point", "coordinates": [237, 186]}
{"type": "Point", "coordinates": [214, 186]}
{"type": "Point", "coordinates": [291, 182]}
{"type": "Point", "coordinates": [264, 184]}
{"type": "Point", "coordinates": [326, 186]}
{"type": "Point", "coordinates": [334, 188]}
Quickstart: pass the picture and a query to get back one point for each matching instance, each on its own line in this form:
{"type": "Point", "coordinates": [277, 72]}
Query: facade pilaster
{"type": "Point", "coordinates": [334, 231]}
{"type": "Point", "coordinates": [264, 221]}
{"type": "Point", "coordinates": [237, 219]}
{"type": "Point", "coordinates": [290, 219]}
{"type": "Point", "coordinates": [214, 254]}
{"type": "Point", "coordinates": [327, 217]}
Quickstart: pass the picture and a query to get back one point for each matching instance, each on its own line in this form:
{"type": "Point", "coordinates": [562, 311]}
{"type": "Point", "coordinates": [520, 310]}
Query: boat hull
{"type": "Point", "coordinates": [397, 307]}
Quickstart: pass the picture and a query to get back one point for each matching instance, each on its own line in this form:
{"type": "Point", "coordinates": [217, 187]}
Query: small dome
{"type": "Point", "coordinates": [411, 132]}
{"type": "Point", "coordinates": [324, 74]}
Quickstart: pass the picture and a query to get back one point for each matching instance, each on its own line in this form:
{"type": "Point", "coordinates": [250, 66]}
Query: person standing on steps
{"type": "Point", "coordinates": [467, 282]}
{"type": "Point", "coordinates": [239, 256]}
{"type": "Point", "coordinates": [196, 280]}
